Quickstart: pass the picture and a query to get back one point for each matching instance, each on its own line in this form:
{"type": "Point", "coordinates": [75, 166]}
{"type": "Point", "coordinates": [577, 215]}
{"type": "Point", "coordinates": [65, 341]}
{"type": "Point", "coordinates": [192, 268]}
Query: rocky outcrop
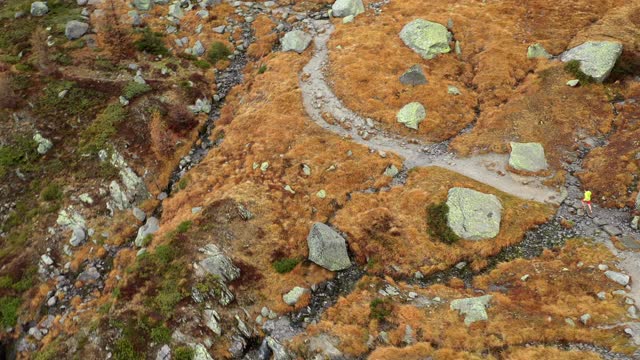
{"type": "Point", "coordinates": [597, 58]}
{"type": "Point", "coordinates": [473, 215]}
{"type": "Point", "coordinates": [473, 309]}
{"type": "Point", "coordinates": [527, 157]}
{"type": "Point", "coordinates": [75, 29]}
{"type": "Point", "coordinates": [327, 248]}
{"type": "Point", "coordinates": [429, 39]}
{"type": "Point", "coordinates": [343, 8]}
{"type": "Point", "coordinates": [295, 40]}
{"type": "Point", "coordinates": [411, 115]}
{"type": "Point", "coordinates": [414, 76]}
{"type": "Point", "coordinates": [218, 264]}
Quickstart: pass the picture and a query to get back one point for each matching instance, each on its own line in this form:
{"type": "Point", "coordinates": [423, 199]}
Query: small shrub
{"type": "Point", "coordinates": [380, 309]}
{"type": "Point", "coordinates": [152, 43]}
{"type": "Point", "coordinates": [95, 137]}
{"type": "Point", "coordinates": [9, 311]}
{"type": "Point", "coordinates": [217, 52]}
{"type": "Point", "coordinates": [168, 297]}
{"type": "Point", "coordinates": [161, 335]}
{"type": "Point", "coordinates": [23, 284]}
{"type": "Point", "coordinates": [183, 353]}
{"type": "Point", "coordinates": [184, 227]}
{"type": "Point", "coordinates": [104, 308]}
{"type": "Point", "coordinates": [438, 226]}
{"type": "Point", "coordinates": [202, 64]}
{"type": "Point", "coordinates": [165, 254]}
{"type": "Point", "coordinates": [182, 184]}
{"type": "Point", "coordinates": [5, 282]}
{"type": "Point", "coordinates": [52, 192]}
{"type": "Point", "coordinates": [147, 240]}
{"type": "Point", "coordinates": [24, 67]}
{"type": "Point", "coordinates": [262, 69]}
{"type": "Point", "coordinates": [573, 68]}
{"type": "Point", "coordinates": [134, 89]}
{"type": "Point", "coordinates": [283, 266]}
{"type": "Point", "coordinates": [123, 350]}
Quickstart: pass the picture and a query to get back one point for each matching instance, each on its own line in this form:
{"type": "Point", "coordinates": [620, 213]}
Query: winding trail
{"type": "Point", "coordinates": [319, 99]}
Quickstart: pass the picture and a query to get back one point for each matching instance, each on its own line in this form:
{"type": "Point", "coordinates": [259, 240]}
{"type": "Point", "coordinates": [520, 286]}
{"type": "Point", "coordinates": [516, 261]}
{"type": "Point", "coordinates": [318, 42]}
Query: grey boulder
{"type": "Point", "coordinates": [295, 40]}
{"type": "Point", "coordinates": [473, 215]}
{"type": "Point", "coordinates": [342, 8]}
{"type": "Point", "coordinates": [426, 38]}
{"type": "Point", "coordinates": [75, 29]}
{"type": "Point", "coordinates": [39, 8]}
{"type": "Point", "coordinates": [597, 58]}
{"type": "Point", "coordinates": [327, 248]}
{"type": "Point", "coordinates": [150, 228]}
{"type": "Point", "coordinates": [527, 157]}
{"type": "Point", "coordinates": [143, 5]}
{"type": "Point", "coordinates": [414, 76]}
{"type": "Point", "coordinates": [218, 264]}
{"type": "Point", "coordinates": [411, 115]}
{"type": "Point", "coordinates": [473, 309]}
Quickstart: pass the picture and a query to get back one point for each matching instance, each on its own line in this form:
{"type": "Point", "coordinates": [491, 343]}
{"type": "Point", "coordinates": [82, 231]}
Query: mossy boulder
{"type": "Point", "coordinates": [527, 157]}
{"type": "Point", "coordinates": [411, 115]}
{"type": "Point", "coordinates": [327, 248]}
{"type": "Point", "coordinates": [597, 58]}
{"type": "Point", "coordinates": [473, 215]}
{"type": "Point", "coordinates": [429, 39]}
{"type": "Point", "coordinates": [295, 40]}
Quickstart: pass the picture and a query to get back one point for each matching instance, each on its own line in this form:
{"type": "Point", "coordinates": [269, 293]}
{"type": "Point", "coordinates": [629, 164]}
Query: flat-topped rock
{"type": "Point", "coordinates": [428, 39]}
{"type": "Point", "coordinates": [473, 309]}
{"type": "Point", "coordinates": [597, 58]}
{"type": "Point", "coordinates": [527, 157]}
{"type": "Point", "coordinates": [473, 215]}
{"type": "Point", "coordinates": [295, 40]}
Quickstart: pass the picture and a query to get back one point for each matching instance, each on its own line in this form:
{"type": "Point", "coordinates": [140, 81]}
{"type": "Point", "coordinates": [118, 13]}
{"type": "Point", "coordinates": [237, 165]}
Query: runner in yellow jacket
{"type": "Point", "coordinates": [587, 200]}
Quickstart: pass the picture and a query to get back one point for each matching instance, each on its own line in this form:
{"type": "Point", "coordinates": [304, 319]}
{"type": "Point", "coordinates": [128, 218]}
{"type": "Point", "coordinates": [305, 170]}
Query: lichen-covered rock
{"type": "Point", "coordinates": [293, 296]}
{"type": "Point", "coordinates": [427, 38]}
{"type": "Point", "coordinates": [414, 76]}
{"type": "Point", "coordinates": [176, 11]}
{"type": "Point", "coordinates": [78, 236]}
{"type": "Point", "coordinates": [527, 157]}
{"type": "Point", "coordinates": [44, 145]}
{"type": "Point", "coordinates": [143, 5]}
{"type": "Point", "coordinates": [411, 115]}
{"type": "Point", "coordinates": [295, 40]}
{"type": "Point", "coordinates": [620, 278]}
{"type": "Point", "coordinates": [342, 8]}
{"type": "Point", "coordinates": [39, 8]}
{"type": "Point", "coordinates": [151, 227]}
{"type": "Point", "coordinates": [212, 321]}
{"type": "Point", "coordinates": [218, 264]}
{"type": "Point", "coordinates": [473, 215]}
{"type": "Point", "coordinates": [200, 353]}
{"type": "Point", "coordinates": [597, 58]}
{"type": "Point", "coordinates": [537, 51]}
{"type": "Point", "coordinates": [473, 309]}
{"type": "Point", "coordinates": [327, 248]}
{"type": "Point", "coordinates": [75, 29]}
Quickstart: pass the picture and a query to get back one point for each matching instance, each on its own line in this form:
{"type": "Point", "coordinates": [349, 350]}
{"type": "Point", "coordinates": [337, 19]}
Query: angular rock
{"type": "Point", "coordinates": [414, 76]}
{"type": "Point", "coordinates": [164, 353]}
{"type": "Point", "coordinates": [622, 279]}
{"type": "Point", "coordinates": [44, 145]}
{"type": "Point", "coordinates": [473, 215]}
{"type": "Point", "coordinates": [295, 40]}
{"type": "Point", "coordinates": [292, 297]}
{"type": "Point", "coordinates": [198, 49]}
{"type": "Point", "coordinates": [391, 171]}
{"type": "Point", "coordinates": [39, 8]}
{"type": "Point", "coordinates": [78, 236]}
{"type": "Point", "coordinates": [75, 29]}
{"type": "Point", "coordinates": [428, 39]}
{"type": "Point", "coordinates": [573, 83]}
{"type": "Point", "coordinates": [342, 8]}
{"type": "Point", "coordinates": [176, 11]}
{"type": "Point", "coordinates": [473, 309]}
{"type": "Point", "coordinates": [537, 51]}
{"type": "Point", "coordinates": [89, 275]}
{"type": "Point", "coordinates": [143, 5]}
{"type": "Point", "coordinates": [279, 351]}
{"type": "Point", "coordinates": [327, 248]}
{"type": "Point", "coordinates": [151, 227]}
{"type": "Point", "coordinates": [597, 58]}
{"type": "Point", "coordinates": [452, 90]}
{"type": "Point", "coordinates": [218, 264]}
{"type": "Point", "coordinates": [238, 346]}
{"type": "Point", "coordinates": [139, 214]}
{"type": "Point", "coordinates": [527, 157]}
{"type": "Point", "coordinates": [201, 353]}
{"type": "Point", "coordinates": [411, 115]}
{"type": "Point", "coordinates": [212, 321]}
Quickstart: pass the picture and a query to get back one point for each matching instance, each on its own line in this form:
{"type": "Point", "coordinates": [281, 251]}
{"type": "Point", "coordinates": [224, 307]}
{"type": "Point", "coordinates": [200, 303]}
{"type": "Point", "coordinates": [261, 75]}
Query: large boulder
{"type": "Point", "coordinates": [527, 157]}
{"type": "Point", "coordinates": [597, 58]}
{"type": "Point", "coordinates": [327, 248]}
{"type": "Point", "coordinates": [426, 38]}
{"type": "Point", "coordinates": [75, 29]}
{"type": "Point", "coordinates": [411, 115]}
{"type": "Point", "coordinates": [342, 8]}
{"type": "Point", "coordinates": [295, 40]}
{"type": "Point", "coordinates": [39, 8]}
{"type": "Point", "coordinates": [151, 227]}
{"type": "Point", "coordinates": [473, 215]}
{"type": "Point", "coordinates": [414, 76]}
{"type": "Point", "coordinates": [473, 309]}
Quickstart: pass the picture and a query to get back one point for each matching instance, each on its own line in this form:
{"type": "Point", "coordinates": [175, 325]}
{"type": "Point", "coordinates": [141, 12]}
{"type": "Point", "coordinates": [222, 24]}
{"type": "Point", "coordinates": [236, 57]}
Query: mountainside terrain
{"type": "Point", "coordinates": [319, 179]}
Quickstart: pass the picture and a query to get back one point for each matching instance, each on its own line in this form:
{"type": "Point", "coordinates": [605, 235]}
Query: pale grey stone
{"type": "Point", "coordinates": [473, 309]}
{"type": "Point", "coordinates": [473, 215]}
{"type": "Point", "coordinates": [327, 248]}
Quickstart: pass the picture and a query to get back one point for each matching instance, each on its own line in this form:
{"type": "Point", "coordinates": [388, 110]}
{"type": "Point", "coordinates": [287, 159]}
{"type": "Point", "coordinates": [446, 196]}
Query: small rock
{"type": "Point", "coordinates": [212, 321]}
{"type": "Point", "coordinates": [46, 259]}
{"type": "Point", "coordinates": [472, 308]}
{"type": "Point", "coordinates": [343, 8]}
{"type": "Point", "coordinates": [527, 157]}
{"type": "Point", "coordinates": [602, 295]}
{"type": "Point", "coordinates": [321, 194]}
{"type": "Point", "coordinates": [391, 171]}
{"type": "Point", "coordinates": [525, 277]}
{"type": "Point", "coordinates": [149, 228]}
{"type": "Point", "coordinates": [139, 214]}
{"type": "Point", "coordinates": [573, 83]}
{"type": "Point", "coordinates": [164, 353]}
{"type": "Point", "coordinates": [473, 215]}
{"type": "Point", "coordinates": [219, 29]}
{"type": "Point", "coordinates": [597, 58]}
{"type": "Point", "coordinates": [414, 76]}
{"type": "Point", "coordinates": [44, 145]}
{"type": "Point", "coordinates": [327, 248]}
{"type": "Point", "coordinates": [620, 278]}
{"type": "Point", "coordinates": [78, 236]}
{"type": "Point", "coordinates": [292, 297]}
{"type": "Point", "coordinates": [452, 90]}
{"type": "Point", "coordinates": [570, 322]}
{"type": "Point", "coordinates": [585, 318]}
{"type": "Point", "coordinates": [295, 40]}
{"type": "Point", "coordinates": [348, 19]}
{"type": "Point", "coordinates": [52, 301]}
{"type": "Point", "coordinates": [537, 51]}
{"type": "Point", "coordinates": [411, 115]}
{"type": "Point", "coordinates": [603, 267]}
{"type": "Point", "coordinates": [426, 38]}
{"type": "Point", "coordinates": [612, 230]}
{"type": "Point", "coordinates": [39, 8]}
{"type": "Point", "coordinates": [75, 29]}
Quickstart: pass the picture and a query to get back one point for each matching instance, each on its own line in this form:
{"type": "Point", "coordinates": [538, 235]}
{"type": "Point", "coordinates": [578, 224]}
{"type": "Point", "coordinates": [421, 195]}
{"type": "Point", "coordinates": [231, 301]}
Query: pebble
{"type": "Point", "coordinates": [620, 278]}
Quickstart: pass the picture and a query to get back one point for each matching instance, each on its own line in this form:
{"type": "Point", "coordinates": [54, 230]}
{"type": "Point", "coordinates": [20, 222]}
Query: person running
{"type": "Point", "coordinates": [587, 200]}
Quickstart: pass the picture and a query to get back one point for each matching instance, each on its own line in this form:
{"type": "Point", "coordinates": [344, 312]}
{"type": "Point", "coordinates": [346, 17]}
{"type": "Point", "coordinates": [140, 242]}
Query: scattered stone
{"type": "Point", "coordinates": [163, 195]}
{"type": "Point", "coordinates": [219, 29]}
{"type": "Point", "coordinates": [321, 194]}
{"type": "Point", "coordinates": [52, 301]}
{"type": "Point", "coordinates": [426, 38]}
{"type": "Point", "coordinates": [279, 351]}
{"type": "Point", "coordinates": [602, 295]}
{"type": "Point", "coordinates": [139, 214]}
{"type": "Point", "coordinates": [325, 346]}
{"type": "Point", "coordinates": [632, 311]}
{"type": "Point", "coordinates": [75, 29]}
{"type": "Point", "coordinates": [327, 248]}
{"type": "Point", "coordinates": [597, 58]}
{"type": "Point", "coordinates": [391, 171]}
{"type": "Point", "coordinates": [537, 51]}
{"type": "Point", "coordinates": [634, 222]}
{"type": "Point", "coordinates": [39, 8]}
{"type": "Point", "coordinates": [348, 19]}
{"type": "Point", "coordinates": [149, 228]}
{"type": "Point", "coordinates": [343, 8]}
{"type": "Point", "coordinates": [570, 322]}
{"type": "Point", "coordinates": [408, 335]}
{"type": "Point", "coordinates": [525, 277]}
{"type": "Point", "coordinates": [612, 230]}
{"type": "Point", "coordinates": [473, 215]}
{"type": "Point", "coordinates": [212, 321]}
{"type": "Point", "coordinates": [164, 353]}
{"type": "Point", "coordinates": [288, 189]}
{"type": "Point", "coordinates": [292, 297]}
{"type": "Point", "coordinates": [620, 278]}
{"type": "Point", "coordinates": [195, 210]}
{"type": "Point", "coordinates": [198, 50]}
{"type": "Point", "coordinates": [78, 236]}
{"type": "Point", "coordinates": [86, 198]}
{"type": "Point", "coordinates": [452, 90]}
{"type": "Point", "coordinates": [472, 308]}
{"type": "Point", "coordinates": [295, 40]}
{"type": "Point", "coordinates": [142, 5]}
{"type": "Point", "coordinates": [44, 145]}
{"type": "Point", "coordinates": [89, 275]}
{"type": "Point", "coordinates": [264, 166]}
{"type": "Point", "coordinates": [414, 76]}
{"type": "Point", "coordinates": [527, 157]}
{"type": "Point", "coordinates": [46, 259]}
{"type": "Point", "coordinates": [201, 353]}
{"type": "Point", "coordinates": [573, 83]}
{"type": "Point", "coordinates": [218, 264]}
{"type": "Point", "coordinates": [411, 115]}
{"type": "Point", "coordinates": [603, 267]}
{"type": "Point", "coordinates": [585, 318]}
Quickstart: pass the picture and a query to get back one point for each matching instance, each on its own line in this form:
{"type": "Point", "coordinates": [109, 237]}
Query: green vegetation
{"type": "Point", "coordinates": [77, 101]}
{"type": "Point", "coordinates": [24, 67]}
{"type": "Point", "coordinates": [49, 351]}
{"type": "Point", "coordinates": [134, 89]}
{"type": "Point", "coordinates": [123, 350]}
{"type": "Point", "coordinates": [438, 226]}
{"type": "Point", "coordinates": [152, 43]}
{"type": "Point", "coordinates": [95, 136]}
{"type": "Point", "coordinates": [262, 69]}
{"type": "Point", "coordinates": [573, 68]}
{"type": "Point", "coordinates": [52, 192]}
{"type": "Point", "coordinates": [182, 184]}
{"type": "Point", "coordinates": [202, 64]}
{"type": "Point", "coordinates": [184, 227]}
{"type": "Point", "coordinates": [283, 266]}
{"type": "Point", "coordinates": [183, 353]}
{"type": "Point", "coordinates": [104, 308]}
{"type": "Point", "coordinates": [161, 335]}
{"type": "Point", "coordinates": [380, 309]}
{"type": "Point", "coordinates": [218, 51]}
{"type": "Point", "coordinates": [147, 240]}
{"type": "Point", "coordinates": [22, 153]}
{"type": "Point", "coordinates": [9, 310]}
